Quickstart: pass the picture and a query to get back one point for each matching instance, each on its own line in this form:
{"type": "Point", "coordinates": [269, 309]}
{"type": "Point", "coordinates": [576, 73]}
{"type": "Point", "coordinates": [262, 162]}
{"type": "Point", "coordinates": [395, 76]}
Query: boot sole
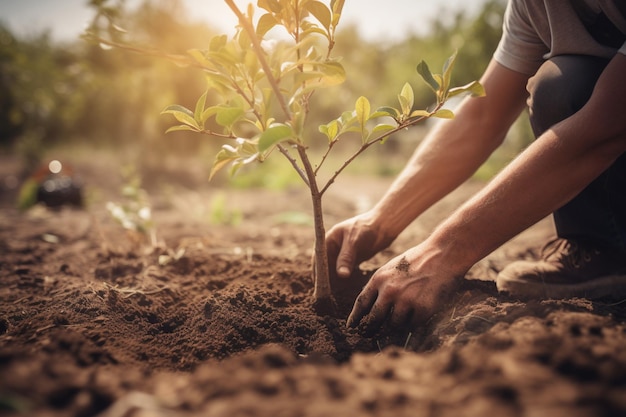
{"type": "Point", "coordinates": [612, 286]}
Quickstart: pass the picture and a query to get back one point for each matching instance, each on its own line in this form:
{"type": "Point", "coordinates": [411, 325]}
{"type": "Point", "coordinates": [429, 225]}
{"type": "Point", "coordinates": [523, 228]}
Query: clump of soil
{"type": "Point", "coordinates": [217, 320]}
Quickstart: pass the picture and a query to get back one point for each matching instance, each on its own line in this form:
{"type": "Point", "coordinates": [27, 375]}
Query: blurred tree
{"type": "Point", "coordinates": [132, 89]}
{"type": "Point", "coordinates": [39, 86]}
{"type": "Point", "coordinates": [475, 37]}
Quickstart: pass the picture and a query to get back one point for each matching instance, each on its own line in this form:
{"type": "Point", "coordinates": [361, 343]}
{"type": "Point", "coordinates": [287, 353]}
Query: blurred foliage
{"type": "Point", "coordinates": [79, 92]}
{"type": "Point", "coordinates": [40, 95]}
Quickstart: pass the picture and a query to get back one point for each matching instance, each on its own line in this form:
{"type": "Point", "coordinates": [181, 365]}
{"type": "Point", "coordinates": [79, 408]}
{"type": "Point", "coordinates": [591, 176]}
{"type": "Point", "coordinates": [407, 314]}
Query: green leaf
{"type": "Point", "coordinates": [447, 72]}
{"type": "Point", "coordinates": [347, 117]}
{"type": "Point", "coordinates": [197, 114]}
{"type": "Point", "coordinates": [424, 71]}
{"type": "Point", "coordinates": [235, 167]}
{"type": "Point", "coordinates": [475, 88]}
{"type": "Point", "coordinates": [223, 158]}
{"type": "Point", "coordinates": [386, 111]}
{"type": "Point", "coordinates": [243, 39]}
{"type": "Point", "coordinates": [362, 108]}
{"type": "Point", "coordinates": [309, 29]}
{"type": "Point", "coordinates": [200, 58]}
{"type": "Point", "coordinates": [420, 113]}
{"type": "Point", "coordinates": [208, 112]}
{"type": "Point", "coordinates": [270, 5]}
{"type": "Point", "coordinates": [331, 130]}
{"type": "Point", "coordinates": [218, 42]}
{"type": "Point", "coordinates": [182, 114]}
{"type": "Point", "coordinates": [266, 23]}
{"type": "Point", "coordinates": [320, 11]}
{"type": "Point", "coordinates": [275, 134]}
{"type": "Point", "coordinates": [351, 128]}
{"type": "Point", "coordinates": [438, 80]}
{"type": "Point", "coordinates": [383, 127]}
{"type": "Point", "coordinates": [406, 99]}
{"type": "Point", "coordinates": [324, 130]}
{"type": "Point", "coordinates": [332, 73]}
{"type": "Point", "coordinates": [218, 81]}
{"type": "Point", "coordinates": [337, 7]}
{"type": "Point", "coordinates": [178, 128]}
{"type": "Point", "coordinates": [444, 114]}
{"type": "Point", "coordinates": [329, 74]}
{"type": "Point", "coordinates": [227, 116]}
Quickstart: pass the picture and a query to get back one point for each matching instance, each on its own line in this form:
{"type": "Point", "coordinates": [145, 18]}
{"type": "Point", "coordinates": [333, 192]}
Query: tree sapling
{"type": "Point", "coordinates": [263, 89]}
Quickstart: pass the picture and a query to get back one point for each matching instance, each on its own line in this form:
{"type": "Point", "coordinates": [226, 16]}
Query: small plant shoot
{"type": "Point", "coordinates": [259, 97]}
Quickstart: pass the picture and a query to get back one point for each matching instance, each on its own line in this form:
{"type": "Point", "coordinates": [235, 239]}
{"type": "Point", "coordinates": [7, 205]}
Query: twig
{"type": "Point", "coordinates": [330, 147]}
{"type": "Point", "coordinates": [406, 343]}
{"type": "Point", "coordinates": [41, 329]}
{"type": "Point", "coordinates": [258, 50]}
{"type": "Point", "coordinates": [294, 163]}
{"type": "Point", "coordinates": [453, 311]}
{"type": "Point", "coordinates": [19, 300]}
{"type": "Point", "coordinates": [370, 143]}
{"type": "Point", "coordinates": [218, 135]}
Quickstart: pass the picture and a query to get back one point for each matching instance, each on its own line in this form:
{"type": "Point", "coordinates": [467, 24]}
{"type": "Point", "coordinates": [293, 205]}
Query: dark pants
{"type": "Point", "coordinates": [560, 88]}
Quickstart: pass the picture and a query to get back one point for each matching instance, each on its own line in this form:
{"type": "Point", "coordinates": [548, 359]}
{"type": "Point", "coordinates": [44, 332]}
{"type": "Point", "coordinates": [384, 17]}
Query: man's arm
{"type": "Point", "coordinates": [455, 149]}
{"type": "Point", "coordinates": [553, 170]}
{"type": "Point", "coordinates": [556, 167]}
{"type": "Point", "coordinates": [449, 155]}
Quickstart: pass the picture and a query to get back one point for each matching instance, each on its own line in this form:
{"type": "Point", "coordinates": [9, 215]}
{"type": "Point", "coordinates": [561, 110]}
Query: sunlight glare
{"type": "Point", "coordinates": [55, 166]}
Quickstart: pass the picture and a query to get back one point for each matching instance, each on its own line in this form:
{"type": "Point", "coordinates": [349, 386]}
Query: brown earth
{"type": "Point", "coordinates": [217, 319]}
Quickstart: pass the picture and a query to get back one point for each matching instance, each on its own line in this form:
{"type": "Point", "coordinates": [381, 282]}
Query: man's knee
{"type": "Point", "coordinates": [561, 86]}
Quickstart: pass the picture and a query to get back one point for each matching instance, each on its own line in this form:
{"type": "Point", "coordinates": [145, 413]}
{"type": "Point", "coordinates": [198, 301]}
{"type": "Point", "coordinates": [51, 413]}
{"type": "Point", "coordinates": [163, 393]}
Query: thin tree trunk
{"type": "Point", "coordinates": [323, 300]}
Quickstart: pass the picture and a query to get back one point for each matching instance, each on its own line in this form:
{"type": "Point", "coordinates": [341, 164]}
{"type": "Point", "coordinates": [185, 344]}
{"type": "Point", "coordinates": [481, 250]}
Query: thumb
{"type": "Point", "coordinates": [346, 259]}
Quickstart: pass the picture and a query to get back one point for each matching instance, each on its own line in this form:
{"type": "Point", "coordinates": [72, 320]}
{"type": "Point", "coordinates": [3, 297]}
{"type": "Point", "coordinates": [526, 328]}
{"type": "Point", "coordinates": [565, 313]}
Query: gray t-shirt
{"type": "Point", "coordinates": [536, 30]}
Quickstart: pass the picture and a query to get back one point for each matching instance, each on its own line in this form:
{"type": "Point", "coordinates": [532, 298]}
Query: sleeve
{"type": "Point", "coordinates": [521, 48]}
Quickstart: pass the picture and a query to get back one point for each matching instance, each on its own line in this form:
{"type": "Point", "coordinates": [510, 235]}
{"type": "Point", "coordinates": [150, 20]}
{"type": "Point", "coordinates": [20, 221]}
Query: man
{"type": "Point", "coordinates": [567, 61]}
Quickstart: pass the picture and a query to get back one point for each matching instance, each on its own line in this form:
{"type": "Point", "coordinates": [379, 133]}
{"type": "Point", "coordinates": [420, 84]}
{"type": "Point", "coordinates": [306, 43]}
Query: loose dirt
{"type": "Point", "coordinates": [217, 319]}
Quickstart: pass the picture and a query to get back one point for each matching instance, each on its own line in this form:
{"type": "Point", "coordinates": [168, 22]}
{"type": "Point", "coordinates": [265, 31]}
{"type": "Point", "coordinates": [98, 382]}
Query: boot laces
{"type": "Point", "coordinates": [569, 253]}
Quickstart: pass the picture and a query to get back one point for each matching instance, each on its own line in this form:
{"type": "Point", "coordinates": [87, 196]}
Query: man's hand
{"type": "Point", "coordinates": [405, 292]}
{"type": "Point", "coordinates": [353, 241]}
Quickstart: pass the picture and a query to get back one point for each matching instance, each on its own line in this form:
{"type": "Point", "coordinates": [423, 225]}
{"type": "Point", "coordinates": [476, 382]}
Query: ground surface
{"type": "Point", "coordinates": [217, 320]}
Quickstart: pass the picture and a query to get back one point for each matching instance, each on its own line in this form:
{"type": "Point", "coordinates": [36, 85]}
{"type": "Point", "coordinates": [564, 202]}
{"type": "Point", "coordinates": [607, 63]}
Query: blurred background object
{"type": "Point", "coordinates": [53, 185]}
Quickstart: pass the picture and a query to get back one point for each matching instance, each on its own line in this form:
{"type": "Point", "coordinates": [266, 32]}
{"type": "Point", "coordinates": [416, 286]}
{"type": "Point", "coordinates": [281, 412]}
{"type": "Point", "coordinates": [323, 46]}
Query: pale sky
{"type": "Point", "coordinates": [390, 20]}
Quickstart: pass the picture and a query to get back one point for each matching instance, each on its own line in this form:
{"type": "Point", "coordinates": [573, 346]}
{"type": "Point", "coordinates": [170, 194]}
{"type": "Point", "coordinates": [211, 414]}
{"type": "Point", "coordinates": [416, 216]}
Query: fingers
{"type": "Point", "coordinates": [377, 316]}
{"type": "Point", "coordinates": [362, 306]}
{"type": "Point", "coordinates": [371, 309]}
{"type": "Point", "coordinates": [341, 252]}
{"type": "Point", "coordinates": [346, 259]}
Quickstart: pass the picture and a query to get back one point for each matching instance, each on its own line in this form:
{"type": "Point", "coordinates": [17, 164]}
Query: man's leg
{"type": "Point", "coordinates": [590, 260]}
{"type": "Point", "coordinates": [560, 88]}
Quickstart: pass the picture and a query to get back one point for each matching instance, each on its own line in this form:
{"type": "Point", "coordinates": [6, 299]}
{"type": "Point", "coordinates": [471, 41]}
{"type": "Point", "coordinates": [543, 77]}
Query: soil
{"type": "Point", "coordinates": [216, 319]}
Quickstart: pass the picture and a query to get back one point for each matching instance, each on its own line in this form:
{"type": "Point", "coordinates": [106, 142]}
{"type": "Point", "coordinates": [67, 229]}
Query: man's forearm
{"type": "Point", "coordinates": [443, 161]}
{"type": "Point", "coordinates": [543, 178]}
{"type": "Point", "coordinates": [453, 151]}
{"type": "Point", "coordinates": [554, 169]}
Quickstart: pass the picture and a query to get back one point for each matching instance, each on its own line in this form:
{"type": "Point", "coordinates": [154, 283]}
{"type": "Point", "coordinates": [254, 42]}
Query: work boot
{"type": "Point", "coordinates": [568, 268]}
